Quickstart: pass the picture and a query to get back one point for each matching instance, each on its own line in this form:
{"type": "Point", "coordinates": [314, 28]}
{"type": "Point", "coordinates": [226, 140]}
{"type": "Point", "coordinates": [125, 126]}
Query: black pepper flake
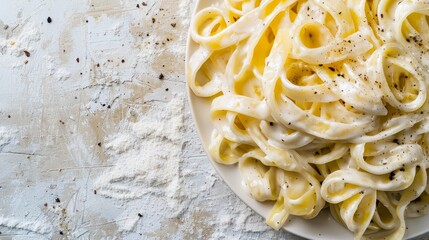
{"type": "Point", "coordinates": [144, 4]}
{"type": "Point", "coordinates": [77, 60]}
{"type": "Point", "coordinates": [173, 25]}
{"type": "Point", "coordinates": [140, 215]}
{"type": "Point", "coordinates": [402, 169]}
{"type": "Point", "coordinates": [381, 15]}
{"type": "Point", "coordinates": [61, 233]}
{"type": "Point", "coordinates": [99, 144]}
{"type": "Point", "coordinates": [123, 61]}
{"type": "Point", "coordinates": [271, 124]}
{"type": "Point", "coordinates": [108, 106]}
{"type": "Point", "coordinates": [332, 69]}
{"type": "Point", "coordinates": [98, 65]}
{"type": "Point", "coordinates": [49, 19]}
{"type": "Point", "coordinates": [392, 176]}
{"type": "Point", "coordinates": [95, 192]}
{"type": "Point", "coordinates": [396, 141]}
{"type": "Point", "coordinates": [153, 20]}
{"type": "Point", "coordinates": [57, 200]}
{"type": "Point", "coordinates": [320, 65]}
{"type": "Point", "coordinates": [8, 116]}
{"type": "Point", "coordinates": [138, 5]}
{"type": "Point", "coordinates": [27, 53]}
{"type": "Point", "coordinates": [161, 76]}
{"type": "Point", "coordinates": [166, 89]}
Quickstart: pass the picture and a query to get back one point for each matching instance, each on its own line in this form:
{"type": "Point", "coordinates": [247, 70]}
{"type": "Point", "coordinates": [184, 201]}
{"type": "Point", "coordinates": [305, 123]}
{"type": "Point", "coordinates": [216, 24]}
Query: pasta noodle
{"type": "Point", "coordinates": [322, 104]}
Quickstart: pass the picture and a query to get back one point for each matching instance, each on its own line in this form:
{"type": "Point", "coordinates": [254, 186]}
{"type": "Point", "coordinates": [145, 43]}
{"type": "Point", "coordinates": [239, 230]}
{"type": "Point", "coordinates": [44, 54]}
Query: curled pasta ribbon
{"type": "Point", "coordinates": [225, 151]}
{"type": "Point", "coordinates": [332, 121]}
{"type": "Point", "coordinates": [202, 81]}
{"type": "Point", "coordinates": [258, 178]}
{"type": "Point", "coordinates": [245, 55]}
{"type": "Point", "coordinates": [240, 104]}
{"type": "Point", "coordinates": [323, 155]}
{"type": "Point", "coordinates": [389, 128]}
{"type": "Point", "coordinates": [281, 137]}
{"type": "Point", "coordinates": [286, 159]}
{"type": "Point", "coordinates": [385, 217]}
{"type": "Point", "coordinates": [403, 86]}
{"type": "Point", "coordinates": [329, 36]}
{"type": "Point", "coordinates": [405, 198]}
{"type": "Point", "coordinates": [340, 189]}
{"type": "Point", "coordinates": [302, 83]}
{"type": "Point", "coordinates": [221, 32]}
{"type": "Point", "coordinates": [389, 160]}
{"type": "Point", "coordinates": [296, 194]}
{"type": "Point", "coordinates": [358, 210]}
{"type": "Point", "coordinates": [344, 183]}
{"type": "Point", "coordinates": [230, 126]}
{"type": "Point", "coordinates": [241, 7]}
{"type": "Point", "coordinates": [353, 90]}
{"type": "Point", "coordinates": [411, 25]}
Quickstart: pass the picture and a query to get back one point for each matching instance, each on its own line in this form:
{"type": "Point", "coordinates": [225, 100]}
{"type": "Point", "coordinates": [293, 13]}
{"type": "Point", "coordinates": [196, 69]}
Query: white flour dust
{"type": "Point", "coordinates": [24, 39]}
{"type": "Point", "coordinates": [31, 226]}
{"type": "Point", "coordinates": [146, 156]}
{"type": "Point", "coordinates": [7, 136]}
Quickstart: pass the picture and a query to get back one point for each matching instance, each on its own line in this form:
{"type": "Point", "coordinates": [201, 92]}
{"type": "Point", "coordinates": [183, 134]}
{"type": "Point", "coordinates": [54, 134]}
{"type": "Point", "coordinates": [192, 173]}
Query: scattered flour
{"type": "Point", "coordinates": [128, 224]}
{"type": "Point", "coordinates": [185, 10]}
{"type": "Point", "coordinates": [147, 156]}
{"type": "Point", "coordinates": [24, 37]}
{"type": "Point", "coordinates": [31, 226]}
{"type": "Point", "coordinates": [6, 137]}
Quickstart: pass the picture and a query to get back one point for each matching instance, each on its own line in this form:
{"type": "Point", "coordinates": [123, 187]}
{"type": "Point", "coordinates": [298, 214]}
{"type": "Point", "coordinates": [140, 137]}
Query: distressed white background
{"type": "Point", "coordinates": [91, 73]}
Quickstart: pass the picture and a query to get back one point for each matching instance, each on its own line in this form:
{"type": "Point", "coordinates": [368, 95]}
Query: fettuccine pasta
{"type": "Point", "coordinates": [322, 104]}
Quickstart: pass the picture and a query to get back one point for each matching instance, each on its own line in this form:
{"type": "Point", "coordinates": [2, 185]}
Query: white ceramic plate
{"type": "Point", "coordinates": [322, 227]}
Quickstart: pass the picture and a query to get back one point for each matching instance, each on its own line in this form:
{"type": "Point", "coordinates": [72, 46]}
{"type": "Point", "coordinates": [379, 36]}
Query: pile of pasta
{"type": "Point", "coordinates": [322, 104]}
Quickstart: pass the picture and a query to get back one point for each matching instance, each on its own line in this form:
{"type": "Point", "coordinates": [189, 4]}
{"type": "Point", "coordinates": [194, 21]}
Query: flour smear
{"type": "Point", "coordinates": [146, 155]}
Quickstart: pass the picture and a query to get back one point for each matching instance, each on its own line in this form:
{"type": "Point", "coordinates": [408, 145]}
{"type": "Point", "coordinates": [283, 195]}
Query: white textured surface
{"type": "Point", "coordinates": [94, 132]}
